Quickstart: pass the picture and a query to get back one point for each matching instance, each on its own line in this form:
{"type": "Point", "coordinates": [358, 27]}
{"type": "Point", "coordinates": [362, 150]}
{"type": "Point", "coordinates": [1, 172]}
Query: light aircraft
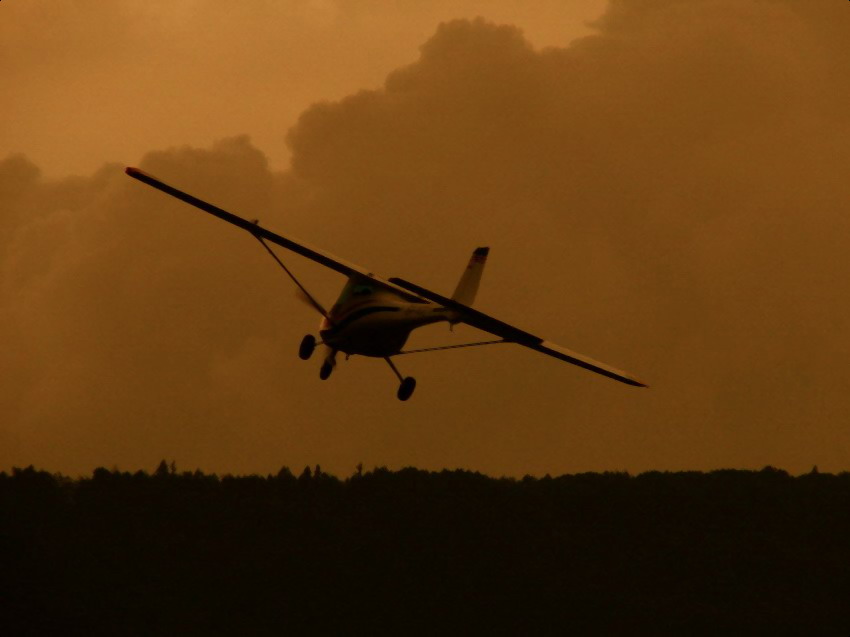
{"type": "Point", "coordinates": [374, 316]}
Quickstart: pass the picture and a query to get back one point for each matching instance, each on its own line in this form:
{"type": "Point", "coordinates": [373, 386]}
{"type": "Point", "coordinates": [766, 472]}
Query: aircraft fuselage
{"type": "Point", "coordinates": [378, 327]}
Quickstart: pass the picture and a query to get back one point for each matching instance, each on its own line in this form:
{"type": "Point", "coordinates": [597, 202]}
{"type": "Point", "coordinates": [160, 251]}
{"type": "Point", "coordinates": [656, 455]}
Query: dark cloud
{"type": "Point", "coordinates": [668, 195]}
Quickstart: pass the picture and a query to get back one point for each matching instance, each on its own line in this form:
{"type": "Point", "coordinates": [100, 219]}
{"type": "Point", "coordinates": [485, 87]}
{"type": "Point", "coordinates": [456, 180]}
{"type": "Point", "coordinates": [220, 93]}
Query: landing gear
{"type": "Point", "coordinates": [328, 365]}
{"type": "Point", "coordinates": [308, 344]}
{"type": "Point", "coordinates": [405, 390]}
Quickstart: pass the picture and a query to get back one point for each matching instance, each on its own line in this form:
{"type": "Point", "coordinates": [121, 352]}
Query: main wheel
{"type": "Point", "coordinates": [405, 390]}
{"type": "Point", "coordinates": [325, 371]}
{"type": "Point", "coordinates": [308, 344]}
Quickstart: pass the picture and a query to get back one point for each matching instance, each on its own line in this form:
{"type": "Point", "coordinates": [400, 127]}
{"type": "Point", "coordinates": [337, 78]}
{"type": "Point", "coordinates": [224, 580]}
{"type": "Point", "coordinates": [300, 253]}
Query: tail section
{"type": "Point", "coordinates": [467, 287]}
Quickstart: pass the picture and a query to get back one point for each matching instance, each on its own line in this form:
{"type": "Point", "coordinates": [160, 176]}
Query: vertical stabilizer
{"type": "Point", "coordinates": [468, 284]}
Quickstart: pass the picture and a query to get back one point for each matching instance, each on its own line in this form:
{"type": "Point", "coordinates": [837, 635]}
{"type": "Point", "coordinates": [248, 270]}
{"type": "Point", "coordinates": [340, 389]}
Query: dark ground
{"type": "Point", "coordinates": [413, 552]}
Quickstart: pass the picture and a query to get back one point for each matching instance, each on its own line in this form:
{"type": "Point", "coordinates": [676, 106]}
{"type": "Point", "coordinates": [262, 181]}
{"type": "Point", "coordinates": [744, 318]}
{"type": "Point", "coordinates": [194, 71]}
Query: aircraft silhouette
{"type": "Point", "coordinates": [374, 316]}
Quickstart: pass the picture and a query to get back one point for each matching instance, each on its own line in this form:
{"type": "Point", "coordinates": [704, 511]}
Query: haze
{"type": "Point", "coordinates": [665, 190]}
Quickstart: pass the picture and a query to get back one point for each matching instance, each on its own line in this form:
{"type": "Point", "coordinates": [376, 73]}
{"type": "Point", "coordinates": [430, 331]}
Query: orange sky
{"type": "Point", "coordinates": [667, 194]}
{"type": "Point", "coordinates": [95, 82]}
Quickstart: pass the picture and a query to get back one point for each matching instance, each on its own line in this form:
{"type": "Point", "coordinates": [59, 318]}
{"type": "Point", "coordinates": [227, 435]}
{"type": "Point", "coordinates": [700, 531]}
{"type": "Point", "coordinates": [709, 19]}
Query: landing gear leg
{"type": "Point", "coordinates": [308, 344]}
{"type": "Point", "coordinates": [406, 386]}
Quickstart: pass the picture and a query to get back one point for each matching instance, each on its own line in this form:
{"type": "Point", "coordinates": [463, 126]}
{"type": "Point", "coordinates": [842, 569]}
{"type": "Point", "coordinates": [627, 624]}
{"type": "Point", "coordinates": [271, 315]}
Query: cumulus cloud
{"type": "Point", "coordinates": [667, 195]}
{"type": "Point", "coordinates": [89, 80]}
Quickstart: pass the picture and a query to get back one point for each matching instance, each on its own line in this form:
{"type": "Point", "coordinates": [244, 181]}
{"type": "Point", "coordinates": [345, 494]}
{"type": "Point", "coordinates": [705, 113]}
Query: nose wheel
{"type": "Point", "coordinates": [328, 365]}
{"type": "Point", "coordinates": [308, 345]}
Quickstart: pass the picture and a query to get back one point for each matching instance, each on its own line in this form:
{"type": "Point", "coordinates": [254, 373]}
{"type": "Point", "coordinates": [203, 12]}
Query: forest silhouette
{"type": "Point", "coordinates": [415, 552]}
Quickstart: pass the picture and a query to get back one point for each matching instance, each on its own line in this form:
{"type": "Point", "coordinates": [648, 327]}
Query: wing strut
{"type": "Point", "coordinates": [434, 349]}
{"type": "Point", "coordinates": [309, 298]}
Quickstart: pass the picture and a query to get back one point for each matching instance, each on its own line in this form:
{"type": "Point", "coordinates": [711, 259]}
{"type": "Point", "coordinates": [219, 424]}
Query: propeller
{"type": "Point", "coordinates": [302, 295]}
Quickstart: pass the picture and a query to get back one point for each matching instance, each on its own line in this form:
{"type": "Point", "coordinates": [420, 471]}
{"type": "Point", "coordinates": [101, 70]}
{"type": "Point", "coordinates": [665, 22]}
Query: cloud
{"type": "Point", "coordinates": [667, 195]}
{"type": "Point", "coordinates": [90, 82]}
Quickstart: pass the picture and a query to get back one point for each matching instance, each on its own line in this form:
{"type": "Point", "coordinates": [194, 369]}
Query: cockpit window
{"type": "Point", "coordinates": [357, 288]}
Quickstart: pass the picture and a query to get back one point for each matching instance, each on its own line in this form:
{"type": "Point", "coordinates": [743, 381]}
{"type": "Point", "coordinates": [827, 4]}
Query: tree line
{"type": "Point", "coordinates": [417, 552]}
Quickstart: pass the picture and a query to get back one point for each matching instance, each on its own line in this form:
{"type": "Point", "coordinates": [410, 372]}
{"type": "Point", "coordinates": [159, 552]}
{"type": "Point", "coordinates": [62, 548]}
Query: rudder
{"type": "Point", "coordinates": [467, 287]}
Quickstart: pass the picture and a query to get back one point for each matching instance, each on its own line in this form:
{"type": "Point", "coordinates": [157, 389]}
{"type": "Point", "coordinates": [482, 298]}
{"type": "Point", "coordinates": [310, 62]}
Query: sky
{"type": "Point", "coordinates": [96, 82]}
{"type": "Point", "coordinates": [663, 185]}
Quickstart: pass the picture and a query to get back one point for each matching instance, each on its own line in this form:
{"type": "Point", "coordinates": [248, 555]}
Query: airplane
{"type": "Point", "coordinates": [374, 316]}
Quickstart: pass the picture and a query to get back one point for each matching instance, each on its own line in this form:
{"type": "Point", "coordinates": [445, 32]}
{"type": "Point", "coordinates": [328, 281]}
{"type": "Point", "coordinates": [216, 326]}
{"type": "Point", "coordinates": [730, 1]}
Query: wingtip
{"type": "Point", "coordinates": [137, 173]}
{"type": "Point", "coordinates": [481, 252]}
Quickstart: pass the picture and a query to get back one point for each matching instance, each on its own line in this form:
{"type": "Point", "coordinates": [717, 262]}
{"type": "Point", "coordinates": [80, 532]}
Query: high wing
{"type": "Point", "coordinates": [515, 335]}
{"type": "Point", "coordinates": [299, 247]}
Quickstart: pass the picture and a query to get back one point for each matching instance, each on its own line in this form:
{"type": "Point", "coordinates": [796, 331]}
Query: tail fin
{"type": "Point", "coordinates": [468, 284]}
